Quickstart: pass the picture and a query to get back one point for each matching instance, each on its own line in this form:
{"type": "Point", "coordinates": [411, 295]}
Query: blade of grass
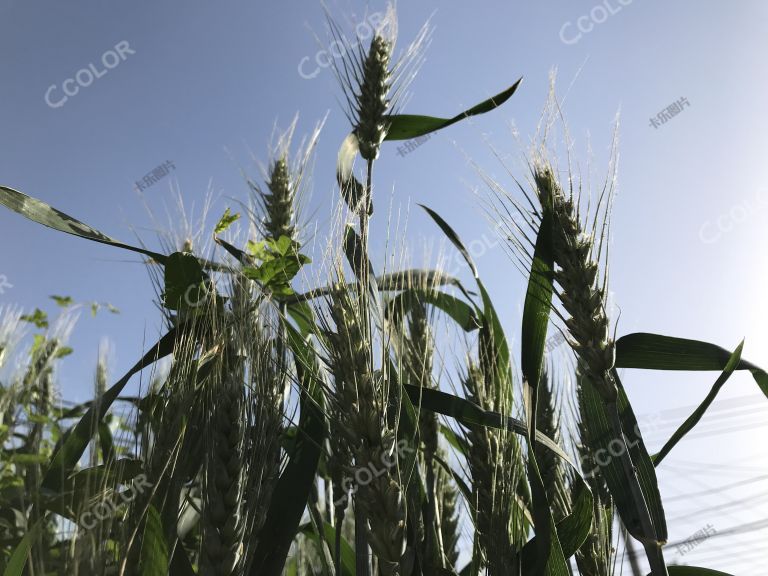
{"type": "Point", "coordinates": [42, 213]}
{"type": "Point", "coordinates": [656, 352]}
{"type": "Point", "coordinates": [20, 554]}
{"type": "Point", "coordinates": [694, 418]}
{"type": "Point", "coordinates": [405, 126]}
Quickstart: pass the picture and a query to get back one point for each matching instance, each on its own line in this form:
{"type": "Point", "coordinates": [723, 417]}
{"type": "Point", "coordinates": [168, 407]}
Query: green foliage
{"type": "Point", "coordinates": [225, 221]}
{"type": "Point", "coordinates": [38, 318]}
{"type": "Point", "coordinates": [303, 432]}
{"type": "Point", "coordinates": [279, 261]}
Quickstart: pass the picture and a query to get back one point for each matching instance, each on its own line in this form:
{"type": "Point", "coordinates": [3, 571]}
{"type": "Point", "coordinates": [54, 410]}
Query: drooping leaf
{"type": "Point", "coordinates": [461, 312]}
{"type": "Point", "coordinates": [450, 233]}
{"type": "Point", "coordinates": [470, 414]}
{"type": "Point", "coordinates": [44, 214]}
{"type": "Point", "coordinates": [657, 352]}
{"type": "Point", "coordinates": [694, 418]}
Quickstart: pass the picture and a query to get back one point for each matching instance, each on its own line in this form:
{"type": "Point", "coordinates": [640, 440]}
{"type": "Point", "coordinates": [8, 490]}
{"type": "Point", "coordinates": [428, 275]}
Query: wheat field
{"type": "Point", "coordinates": [377, 423]}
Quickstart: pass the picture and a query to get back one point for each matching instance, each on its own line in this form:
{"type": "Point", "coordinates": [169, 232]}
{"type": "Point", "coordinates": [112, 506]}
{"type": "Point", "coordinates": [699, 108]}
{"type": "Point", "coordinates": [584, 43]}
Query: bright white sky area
{"type": "Point", "coordinates": [201, 84]}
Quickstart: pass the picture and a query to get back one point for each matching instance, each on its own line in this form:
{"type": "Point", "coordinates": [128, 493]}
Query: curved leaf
{"type": "Point", "coordinates": [42, 213]}
{"type": "Point", "coordinates": [405, 126]}
{"type": "Point", "coordinates": [694, 418]}
{"type": "Point", "coordinates": [20, 554]}
{"type": "Point", "coordinates": [656, 352]}
{"type": "Point", "coordinates": [461, 312]}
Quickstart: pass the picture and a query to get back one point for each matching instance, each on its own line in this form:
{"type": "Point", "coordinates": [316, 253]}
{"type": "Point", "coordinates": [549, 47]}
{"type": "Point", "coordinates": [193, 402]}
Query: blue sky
{"type": "Point", "coordinates": [204, 83]}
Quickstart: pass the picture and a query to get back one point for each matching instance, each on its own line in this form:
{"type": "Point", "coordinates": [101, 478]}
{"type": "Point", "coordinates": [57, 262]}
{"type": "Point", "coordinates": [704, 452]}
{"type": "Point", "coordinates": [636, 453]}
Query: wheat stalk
{"type": "Point", "coordinates": [223, 518]}
{"type": "Point", "coordinates": [576, 253]}
{"type": "Point", "coordinates": [361, 400]}
{"type": "Point", "coordinates": [493, 460]}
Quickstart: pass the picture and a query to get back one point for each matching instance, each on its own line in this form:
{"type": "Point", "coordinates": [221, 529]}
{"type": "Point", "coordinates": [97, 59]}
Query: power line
{"type": "Point", "coordinates": [744, 528]}
{"type": "Point", "coordinates": [754, 498]}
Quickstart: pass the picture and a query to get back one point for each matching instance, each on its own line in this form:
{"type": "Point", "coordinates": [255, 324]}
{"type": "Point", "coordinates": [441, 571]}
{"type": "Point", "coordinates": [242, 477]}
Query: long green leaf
{"type": "Point", "coordinates": [549, 557]}
{"type": "Point", "coordinates": [461, 312]}
{"type": "Point", "coordinates": [538, 303]}
{"type": "Point", "coordinates": [470, 414]}
{"type": "Point", "coordinates": [154, 549]}
{"type": "Point", "coordinates": [453, 237]}
{"type": "Point", "coordinates": [641, 459]}
{"type": "Point", "coordinates": [329, 534]}
{"type": "Point", "coordinates": [611, 450]}
{"type": "Point", "coordinates": [291, 493]}
{"type": "Point", "coordinates": [572, 530]}
{"type": "Point", "coordinates": [42, 213]}
{"type": "Point", "coordinates": [694, 418]}
{"type": "Point", "coordinates": [405, 126]}
{"type": "Point", "coordinates": [20, 554]}
{"type": "Point", "coordinates": [656, 352]}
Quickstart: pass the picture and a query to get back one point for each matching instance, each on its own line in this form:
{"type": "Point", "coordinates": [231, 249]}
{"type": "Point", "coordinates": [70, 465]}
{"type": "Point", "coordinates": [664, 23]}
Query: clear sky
{"type": "Point", "coordinates": [200, 84]}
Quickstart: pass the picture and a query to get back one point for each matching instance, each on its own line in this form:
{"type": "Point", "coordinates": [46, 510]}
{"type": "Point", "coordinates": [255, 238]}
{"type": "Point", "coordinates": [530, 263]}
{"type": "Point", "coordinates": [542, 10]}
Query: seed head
{"type": "Point", "coordinates": [373, 98]}
{"type": "Point", "coordinates": [581, 293]}
{"type": "Point", "coordinates": [278, 202]}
